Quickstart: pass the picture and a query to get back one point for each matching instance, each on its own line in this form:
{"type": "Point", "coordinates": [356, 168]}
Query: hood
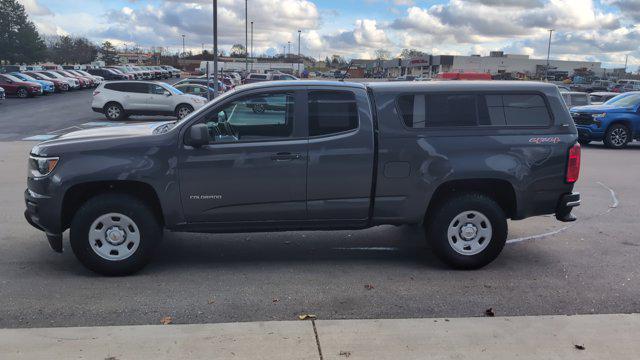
{"type": "Point", "coordinates": [89, 138]}
{"type": "Point", "coordinates": [599, 108]}
{"type": "Point", "coordinates": [114, 131]}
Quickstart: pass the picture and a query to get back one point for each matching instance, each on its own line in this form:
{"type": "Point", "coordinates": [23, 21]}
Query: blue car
{"type": "Point", "coordinates": [47, 86]}
{"type": "Point", "coordinates": [616, 122]}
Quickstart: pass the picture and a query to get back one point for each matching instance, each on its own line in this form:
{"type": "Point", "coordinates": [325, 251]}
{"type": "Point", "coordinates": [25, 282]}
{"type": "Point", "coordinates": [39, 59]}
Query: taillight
{"type": "Point", "coordinates": [573, 165]}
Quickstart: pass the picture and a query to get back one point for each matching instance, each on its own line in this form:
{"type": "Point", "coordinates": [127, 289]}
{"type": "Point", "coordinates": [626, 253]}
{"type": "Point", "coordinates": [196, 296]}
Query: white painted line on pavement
{"type": "Point", "coordinates": [613, 205]}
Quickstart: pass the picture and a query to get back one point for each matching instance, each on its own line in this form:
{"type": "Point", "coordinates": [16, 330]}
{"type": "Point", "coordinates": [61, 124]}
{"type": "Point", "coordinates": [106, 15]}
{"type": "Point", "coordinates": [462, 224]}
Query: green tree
{"type": "Point", "coordinates": [20, 41]}
{"type": "Point", "coordinates": [108, 53]}
{"type": "Point", "coordinates": [237, 50]}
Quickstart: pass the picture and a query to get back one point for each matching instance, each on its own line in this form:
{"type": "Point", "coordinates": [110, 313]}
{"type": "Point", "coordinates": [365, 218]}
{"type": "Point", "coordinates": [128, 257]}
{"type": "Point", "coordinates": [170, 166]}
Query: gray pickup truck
{"type": "Point", "coordinates": [459, 158]}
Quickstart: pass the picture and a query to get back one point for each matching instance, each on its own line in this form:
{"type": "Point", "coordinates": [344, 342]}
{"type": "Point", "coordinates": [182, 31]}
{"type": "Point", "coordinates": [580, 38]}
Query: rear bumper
{"type": "Point", "coordinates": [566, 203]}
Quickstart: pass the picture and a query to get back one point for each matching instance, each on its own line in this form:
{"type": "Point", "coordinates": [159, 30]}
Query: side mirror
{"type": "Point", "coordinates": [198, 136]}
{"type": "Point", "coordinates": [166, 93]}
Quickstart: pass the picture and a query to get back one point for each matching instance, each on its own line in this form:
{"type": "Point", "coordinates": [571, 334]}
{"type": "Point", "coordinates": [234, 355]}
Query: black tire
{"type": "Point", "coordinates": [447, 211]}
{"type": "Point", "coordinates": [22, 93]}
{"type": "Point", "coordinates": [114, 111]}
{"type": "Point", "coordinates": [584, 142]}
{"type": "Point", "coordinates": [617, 136]}
{"type": "Point", "coordinates": [183, 110]}
{"type": "Point", "coordinates": [150, 233]}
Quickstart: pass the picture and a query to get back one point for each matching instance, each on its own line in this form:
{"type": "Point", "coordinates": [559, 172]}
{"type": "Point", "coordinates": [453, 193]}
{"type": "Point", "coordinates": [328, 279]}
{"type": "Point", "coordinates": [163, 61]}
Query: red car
{"type": "Point", "coordinates": [84, 82]}
{"type": "Point", "coordinates": [22, 89]}
{"type": "Point", "coordinates": [59, 84]}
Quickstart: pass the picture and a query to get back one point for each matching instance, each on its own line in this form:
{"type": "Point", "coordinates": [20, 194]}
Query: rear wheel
{"type": "Point", "coordinates": [617, 136]}
{"type": "Point", "coordinates": [114, 112]}
{"type": "Point", "coordinates": [467, 231]}
{"type": "Point", "coordinates": [183, 110]}
{"type": "Point", "coordinates": [114, 234]}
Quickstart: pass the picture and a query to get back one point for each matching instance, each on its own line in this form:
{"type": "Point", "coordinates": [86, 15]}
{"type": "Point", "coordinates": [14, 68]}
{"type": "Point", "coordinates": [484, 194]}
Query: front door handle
{"type": "Point", "coordinates": [285, 156]}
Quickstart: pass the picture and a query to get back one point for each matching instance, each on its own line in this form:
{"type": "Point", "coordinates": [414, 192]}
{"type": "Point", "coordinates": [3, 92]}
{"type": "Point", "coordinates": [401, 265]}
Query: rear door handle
{"type": "Point", "coordinates": [285, 156]}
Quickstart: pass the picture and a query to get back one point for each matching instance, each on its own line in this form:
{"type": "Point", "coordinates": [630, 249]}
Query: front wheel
{"type": "Point", "coordinates": [22, 93]}
{"type": "Point", "coordinates": [617, 136]}
{"type": "Point", "coordinates": [467, 231]}
{"type": "Point", "coordinates": [114, 234]}
{"type": "Point", "coordinates": [183, 110]}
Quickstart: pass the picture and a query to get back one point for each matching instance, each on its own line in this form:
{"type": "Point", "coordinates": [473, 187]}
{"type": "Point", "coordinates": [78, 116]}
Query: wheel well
{"type": "Point", "coordinates": [112, 102]}
{"type": "Point", "coordinates": [182, 104]}
{"type": "Point", "coordinates": [499, 190]}
{"type": "Point", "coordinates": [624, 122]}
{"type": "Point", "coordinates": [79, 194]}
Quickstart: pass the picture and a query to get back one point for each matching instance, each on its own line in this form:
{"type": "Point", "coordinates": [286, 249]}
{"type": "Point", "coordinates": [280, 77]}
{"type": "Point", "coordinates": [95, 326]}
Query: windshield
{"type": "Point", "coordinates": [173, 89]}
{"type": "Point", "coordinates": [24, 77]}
{"type": "Point", "coordinates": [624, 100]}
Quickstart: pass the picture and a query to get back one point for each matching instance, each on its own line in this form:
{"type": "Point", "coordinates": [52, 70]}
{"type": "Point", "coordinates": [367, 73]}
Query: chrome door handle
{"type": "Point", "coordinates": [285, 156]}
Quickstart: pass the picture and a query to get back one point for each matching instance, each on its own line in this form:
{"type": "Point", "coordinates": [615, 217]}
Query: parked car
{"type": "Point", "coordinates": [107, 74]}
{"type": "Point", "coordinates": [164, 74]}
{"type": "Point", "coordinates": [155, 74]}
{"type": "Point", "coordinates": [174, 72]}
{"type": "Point", "coordinates": [228, 169]}
{"type": "Point", "coordinates": [203, 81]}
{"type": "Point", "coordinates": [84, 82]}
{"type": "Point", "coordinates": [126, 76]}
{"type": "Point", "coordinates": [47, 86]}
{"type": "Point", "coordinates": [600, 97]}
{"type": "Point", "coordinates": [596, 85]}
{"type": "Point", "coordinates": [616, 122]}
{"type": "Point", "coordinates": [253, 78]}
{"type": "Point", "coordinates": [61, 85]}
{"type": "Point", "coordinates": [404, 78]}
{"type": "Point", "coordinates": [629, 85]}
{"type": "Point", "coordinates": [146, 74]}
{"type": "Point", "coordinates": [195, 89]}
{"type": "Point", "coordinates": [575, 98]}
{"type": "Point", "coordinates": [118, 100]}
{"type": "Point", "coordinates": [20, 88]}
{"type": "Point", "coordinates": [74, 83]}
{"type": "Point", "coordinates": [97, 79]}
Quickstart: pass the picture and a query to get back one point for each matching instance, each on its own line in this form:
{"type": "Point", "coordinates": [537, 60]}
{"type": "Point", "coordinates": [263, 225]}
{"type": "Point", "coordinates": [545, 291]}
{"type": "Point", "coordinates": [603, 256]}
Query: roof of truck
{"type": "Point", "coordinates": [462, 85]}
{"type": "Point", "coordinates": [270, 84]}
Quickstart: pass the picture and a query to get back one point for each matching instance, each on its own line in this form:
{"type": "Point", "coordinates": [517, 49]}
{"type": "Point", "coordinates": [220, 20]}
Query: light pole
{"type": "Point", "coordinates": [246, 37]}
{"type": "Point", "coordinates": [215, 48]}
{"type": "Point", "coordinates": [299, 34]}
{"type": "Point", "coordinates": [183, 45]}
{"type": "Point", "coordinates": [626, 58]}
{"type": "Point", "coordinates": [546, 70]}
{"type": "Point", "coordinates": [252, 45]}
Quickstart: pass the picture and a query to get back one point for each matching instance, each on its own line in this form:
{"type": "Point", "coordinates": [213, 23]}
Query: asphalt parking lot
{"type": "Point", "coordinates": [589, 266]}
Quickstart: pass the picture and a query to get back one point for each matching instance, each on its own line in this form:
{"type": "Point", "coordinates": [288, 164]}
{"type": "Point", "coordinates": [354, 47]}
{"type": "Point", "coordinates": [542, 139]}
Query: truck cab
{"type": "Point", "coordinates": [458, 158]}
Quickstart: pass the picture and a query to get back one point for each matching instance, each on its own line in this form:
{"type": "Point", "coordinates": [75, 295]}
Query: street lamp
{"type": "Point", "coordinates": [215, 49]}
{"type": "Point", "coordinates": [546, 70]}
{"type": "Point", "coordinates": [246, 37]}
{"type": "Point", "coordinates": [183, 45]}
{"type": "Point", "coordinates": [299, 33]}
{"type": "Point", "coordinates": [252, 44]}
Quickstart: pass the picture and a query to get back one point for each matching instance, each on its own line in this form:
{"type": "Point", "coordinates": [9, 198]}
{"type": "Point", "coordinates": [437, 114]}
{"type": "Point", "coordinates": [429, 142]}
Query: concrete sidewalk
{"type": "Point", "coordinates": [532, 337]}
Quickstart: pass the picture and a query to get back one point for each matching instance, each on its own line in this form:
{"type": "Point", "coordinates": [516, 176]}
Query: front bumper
{"type": "Point", "coordinates": [589, 133]}
{"type": "Point", "coordinates": [566, 203]}
{"type": "Point", "coordinates": [39, 213]}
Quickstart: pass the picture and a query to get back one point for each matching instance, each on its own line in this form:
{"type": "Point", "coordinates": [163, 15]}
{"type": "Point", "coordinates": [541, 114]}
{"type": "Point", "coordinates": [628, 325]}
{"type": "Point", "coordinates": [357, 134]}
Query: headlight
{"type": "Point", "coordinates": [596, 116]}
{"type": "Point", "coordinates": [42, 166]}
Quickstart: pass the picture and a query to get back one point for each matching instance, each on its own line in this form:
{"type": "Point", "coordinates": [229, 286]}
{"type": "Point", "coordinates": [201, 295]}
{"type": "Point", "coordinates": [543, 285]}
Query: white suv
{"type": "Point", "coordinates": [119, 99]}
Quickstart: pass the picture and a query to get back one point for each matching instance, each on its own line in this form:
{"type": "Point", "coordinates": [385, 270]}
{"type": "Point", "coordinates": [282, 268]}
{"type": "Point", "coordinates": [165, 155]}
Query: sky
{"type": "Point", "coordinates": [593, 30]}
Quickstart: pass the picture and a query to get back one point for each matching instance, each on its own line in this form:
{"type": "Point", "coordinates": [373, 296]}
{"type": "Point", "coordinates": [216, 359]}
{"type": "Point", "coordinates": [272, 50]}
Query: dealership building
{"type": "Point", "coordinates": [495, 64]}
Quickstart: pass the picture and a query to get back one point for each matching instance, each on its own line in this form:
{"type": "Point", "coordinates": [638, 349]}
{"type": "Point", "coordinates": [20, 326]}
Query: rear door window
{"type": "Point", "coordinates": [332, 112]}
{"type": "Point", "coordinates": [579, 99]}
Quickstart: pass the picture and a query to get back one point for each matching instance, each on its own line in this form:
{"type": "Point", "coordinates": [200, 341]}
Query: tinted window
{"type": "Point", "coordinates": [419, 111]}
{"type": "Point", "coordinates": [257, 117]}
{"type": "Point", "coordinates": [332, 112]}
{"type": "Point", "coordinates": [254, 76]}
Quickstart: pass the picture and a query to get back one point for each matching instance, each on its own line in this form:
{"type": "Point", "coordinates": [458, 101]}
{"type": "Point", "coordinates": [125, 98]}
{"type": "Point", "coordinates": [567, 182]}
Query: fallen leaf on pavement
{"type": "Point", "coordinates": [579, 347]}
{"type": "Point", "coordinates": [166, 320]}
{"type": "Point", "coordinates": [345, 353]}
{"type": "Point", "coordinates": [489, 312]}
{"type": "Point", "coordinates": [210, 301]}
{"type": "Point", "coordinates": [307, 317]}
{"type": "Point", "coordinates": [369, 287]}
{"type": "Point", "coordinates": [275, 300]}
